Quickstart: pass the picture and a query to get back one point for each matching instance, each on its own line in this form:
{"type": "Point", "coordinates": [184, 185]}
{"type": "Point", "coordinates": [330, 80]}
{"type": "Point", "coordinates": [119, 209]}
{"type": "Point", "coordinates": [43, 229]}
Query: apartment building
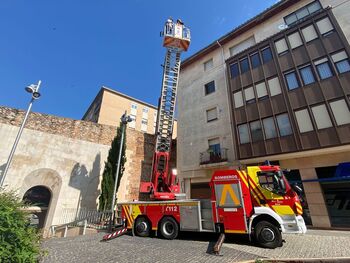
{"type": "Point", "coordinates": [277, 88]}
{"type": "Point", "coordinates": [109, 105]}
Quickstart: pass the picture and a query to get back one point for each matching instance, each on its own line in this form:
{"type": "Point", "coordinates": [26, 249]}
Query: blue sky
{"type": "Point", "coordinates": [77, 46]}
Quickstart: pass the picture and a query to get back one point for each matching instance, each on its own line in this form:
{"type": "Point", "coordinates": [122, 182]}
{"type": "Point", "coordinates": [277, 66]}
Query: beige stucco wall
{"type": "Point", "coordinates": [54, 161]}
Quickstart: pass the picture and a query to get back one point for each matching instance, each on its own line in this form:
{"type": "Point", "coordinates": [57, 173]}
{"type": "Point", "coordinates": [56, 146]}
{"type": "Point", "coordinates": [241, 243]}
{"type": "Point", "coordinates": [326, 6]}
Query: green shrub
{"type": "Point", "coordinates": [18, 241]}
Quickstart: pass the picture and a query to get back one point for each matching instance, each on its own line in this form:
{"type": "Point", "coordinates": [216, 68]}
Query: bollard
{"type": "Point", "coordinates": [218, 244]}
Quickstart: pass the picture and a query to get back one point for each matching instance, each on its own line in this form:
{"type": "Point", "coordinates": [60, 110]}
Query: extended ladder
{"type": "Point", "coordinates": [165, 119]}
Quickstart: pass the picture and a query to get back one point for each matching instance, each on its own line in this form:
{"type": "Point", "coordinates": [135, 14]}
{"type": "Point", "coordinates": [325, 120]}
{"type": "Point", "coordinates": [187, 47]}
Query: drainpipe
{"type": "Point", "coordinates": [228, 100]}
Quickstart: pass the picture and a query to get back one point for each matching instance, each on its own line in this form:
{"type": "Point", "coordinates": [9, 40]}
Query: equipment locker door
{"type": "Point", "coordinates": [230, 206]}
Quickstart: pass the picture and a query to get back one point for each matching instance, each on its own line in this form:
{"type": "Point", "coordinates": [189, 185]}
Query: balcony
{"type": "Point", "coordinates": [213, 157]}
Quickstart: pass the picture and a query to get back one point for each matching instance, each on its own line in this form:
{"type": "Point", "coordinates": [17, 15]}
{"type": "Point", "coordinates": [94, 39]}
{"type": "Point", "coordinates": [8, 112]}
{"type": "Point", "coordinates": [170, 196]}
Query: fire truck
{"type": "Point", "coordinates": [257, 201]}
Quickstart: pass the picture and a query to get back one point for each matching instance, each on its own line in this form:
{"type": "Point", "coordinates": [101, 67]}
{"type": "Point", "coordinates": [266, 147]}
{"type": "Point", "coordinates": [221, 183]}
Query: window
{"type": "Point", "coordinates": [306, 75]}
{"type": "Point", "coordinates": [145, 113]}
{"type": "Point", "coordinates": [340, 111]}
{"type": "Point", "coordinates": [284, 124]}
{"type": "Point", "coordinates": [341, 62]}
{"type": "Point", "coordinates": [303, 12]}
{"type": "Point", "coordinates": [133, 109]}
{"type": "Point", "coordinates": [255, 60]}
{"type": "Point", "coordinates": [266, 55]}
{"type": "Point", "coordinates": [234, 70]}
{"type": "Point", "coordinates": [209, 87]}
{"type": "Point", "coordinates": [132, 124]}
{"type": "Point", "coordinates": [256, 131]}
{"type": "Point", "coordinates": [243, 133]}
{"type": "Point", "coordinates": [274, 86]}
{"type": "Point", "coordinates": [212, 115]}
{"type": "Point", "coordinates": [249, 95]}
{"type": "Point", "coordinates": [281, 46]}
{"type": "Point", "coordinates": [244, 65]}
{"type": "Point", "coordinates": [238, 98]}
{"type": "Point", "coordinates": [324, 26]}
{"type": "Point", "coordinates": [295, 40]}
{"type": "Point", "coordinates": [304, 121]}
{"type": "Point", "coordinates": [269, 128]}
{"type": "Point", "coordinates": [261, 90]}
{"type": "Point", "coordinates": [208, 64]}
{"type": "Point", "coordinates": [321, 116]}
{"type": "Point", "coordinates": [242, 46]}
{"type": "Point", "coordinates": [144, 125]}
{"type": "Point", "coordinates": [292, 80]}
{"type": "Point", "coordinates": [309, 33]}
{"type": "Point", "coordinates": [214, 145]}
{"type": "Point", "coordinates": [323, 68]}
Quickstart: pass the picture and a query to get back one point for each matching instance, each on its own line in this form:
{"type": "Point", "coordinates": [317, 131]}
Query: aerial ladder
{"type": "Point", "coordinates": [163, 184]}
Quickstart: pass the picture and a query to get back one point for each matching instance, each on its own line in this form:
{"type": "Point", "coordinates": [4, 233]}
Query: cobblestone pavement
{"type": "Point", "coordinates": [135, 249]}
{"type": "Point", "coordinates": [315, 244]}
{"type": "Point", "coordinates": [193, 247]}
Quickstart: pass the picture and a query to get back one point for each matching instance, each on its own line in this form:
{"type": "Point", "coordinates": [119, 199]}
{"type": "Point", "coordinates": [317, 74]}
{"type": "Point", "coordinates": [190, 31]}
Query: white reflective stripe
{"type": "Point", "coordinates": [339, 56]}
{"type": "Point", "coordinates": [317, 62]}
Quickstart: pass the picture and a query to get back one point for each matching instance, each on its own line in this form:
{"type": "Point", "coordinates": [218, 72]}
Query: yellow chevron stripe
{"type": "Point", "coordinates": [243, 178]}
{"type": "Point", "coordinates": [128, 215]}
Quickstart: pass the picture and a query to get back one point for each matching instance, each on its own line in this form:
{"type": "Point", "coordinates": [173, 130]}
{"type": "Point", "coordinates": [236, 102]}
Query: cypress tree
{"type": "Point", "coordinates": [109, 172]}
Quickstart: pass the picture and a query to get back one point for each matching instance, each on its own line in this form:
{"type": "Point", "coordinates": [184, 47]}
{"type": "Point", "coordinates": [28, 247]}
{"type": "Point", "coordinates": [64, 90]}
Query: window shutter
{"type": "Point", "coordinates": [321, 116]}
{"type": "Point", "coordinates": [238, 98]}
{"type": "Point", "coordinates": [295, 40]}
{"type": "Point", "coordinates": [249, 94]}
{"type": "Point", "coordinates": [304, 120]}
{"type": "Point", "coordinates": [309, 33]}
{"type": "Point", "coordinates": [261, 90]}
{"type": "Point", "coordinates": [281, 46]}
{"type": "Point", "coordinates": [324, 25]}
{"type": "Point", "coordinates": [274, 86]}
{"type": "Point", "coordinates": [340, 111]}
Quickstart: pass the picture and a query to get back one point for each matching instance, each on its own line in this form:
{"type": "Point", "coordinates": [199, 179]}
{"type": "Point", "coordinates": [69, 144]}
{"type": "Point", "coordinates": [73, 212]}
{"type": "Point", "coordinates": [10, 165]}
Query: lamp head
{"type": "Point", "coordinates": [30, 88]}
{"type": "Point", "coordinates": [36, 95]}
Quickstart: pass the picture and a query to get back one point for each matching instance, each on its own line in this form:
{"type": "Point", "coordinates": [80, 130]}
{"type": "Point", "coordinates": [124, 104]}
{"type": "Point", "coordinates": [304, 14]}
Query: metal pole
{"type": "Point", "coordinates": [118, 167]}
{"type": "Point", "coordinates": [9, 160]}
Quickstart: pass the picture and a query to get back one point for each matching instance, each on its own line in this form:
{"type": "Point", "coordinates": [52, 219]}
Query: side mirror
{"type": "Point", "coordinates": [297, 188]}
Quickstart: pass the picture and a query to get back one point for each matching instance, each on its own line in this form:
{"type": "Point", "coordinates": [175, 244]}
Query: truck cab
{"type": "Point", "coordinates": [257, 201]}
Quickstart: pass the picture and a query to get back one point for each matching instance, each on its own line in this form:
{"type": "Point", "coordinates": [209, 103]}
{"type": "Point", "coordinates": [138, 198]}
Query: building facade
{"type": "Point", "coordinates": [281, 93]}
{"type": "Point", "coordinates": [109, 105]}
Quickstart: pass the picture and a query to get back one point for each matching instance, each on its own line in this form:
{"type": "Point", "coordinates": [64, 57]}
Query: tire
{"type": "Point", "coordinates": [142, 227]}
{"type": "Point", "coordinates": [267, 235]}
{"type": "Point", "coordinates": [169, 228]}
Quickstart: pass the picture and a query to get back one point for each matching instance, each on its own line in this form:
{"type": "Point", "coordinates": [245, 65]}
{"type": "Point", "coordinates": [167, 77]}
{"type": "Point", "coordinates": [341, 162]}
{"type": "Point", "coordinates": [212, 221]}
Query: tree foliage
{"type": "Point", "coordinates": [108, 177]}
{"type": "Point", "coordinates": [18, 241]}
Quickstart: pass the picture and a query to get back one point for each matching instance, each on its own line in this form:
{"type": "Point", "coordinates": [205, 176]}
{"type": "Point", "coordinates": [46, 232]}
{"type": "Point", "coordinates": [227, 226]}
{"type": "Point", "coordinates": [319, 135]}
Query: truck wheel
{"type": "Point", "coordinates": [268, 235]}
{"type": "Point", "coordinates": [169, 228]}
{"type": "Point", "coordinates": [142, 227]}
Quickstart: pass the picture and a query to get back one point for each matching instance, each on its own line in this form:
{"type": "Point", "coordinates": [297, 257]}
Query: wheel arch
{"type": "Point", "coordinates": [265, 214]}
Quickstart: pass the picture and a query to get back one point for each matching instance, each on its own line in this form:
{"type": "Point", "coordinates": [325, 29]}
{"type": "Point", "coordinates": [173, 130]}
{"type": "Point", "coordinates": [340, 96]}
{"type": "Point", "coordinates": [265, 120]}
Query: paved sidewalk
{"type": "Point", "coordinates": [315, 244]}
{"type": "Point", "coordinates": [193, 247]}
{"type": "Point", "coordinates": [135, 249]}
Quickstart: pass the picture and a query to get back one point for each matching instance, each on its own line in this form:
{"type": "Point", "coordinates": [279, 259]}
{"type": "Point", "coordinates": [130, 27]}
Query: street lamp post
{"type": "Point", "coordinates": [34, 91]}
{"type": "Point", "coordinates": [124, 120]}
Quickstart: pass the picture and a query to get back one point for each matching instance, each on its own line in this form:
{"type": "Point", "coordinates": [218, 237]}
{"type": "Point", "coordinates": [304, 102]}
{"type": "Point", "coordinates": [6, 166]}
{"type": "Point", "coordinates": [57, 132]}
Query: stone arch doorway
{"type": "Point", "coordinates": [38, 199]}
{"type": "Point", "coordinates": [49, 179]}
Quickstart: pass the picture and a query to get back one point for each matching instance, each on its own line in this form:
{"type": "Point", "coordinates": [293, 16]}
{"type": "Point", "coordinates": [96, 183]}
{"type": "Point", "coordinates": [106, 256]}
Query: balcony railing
{"type": "Point", "coordinates": [217, 156]}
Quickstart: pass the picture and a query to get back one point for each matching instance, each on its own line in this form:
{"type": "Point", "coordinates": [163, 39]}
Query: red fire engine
{"type": "Point", "coordinates": [257, 201]}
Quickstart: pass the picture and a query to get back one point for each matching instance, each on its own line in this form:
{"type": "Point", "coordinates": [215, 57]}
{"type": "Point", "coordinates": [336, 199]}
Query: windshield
{"type": "Point", "coordinates": [272, 181]}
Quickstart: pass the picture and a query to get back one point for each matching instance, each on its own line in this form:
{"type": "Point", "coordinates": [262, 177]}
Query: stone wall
{"type": "Point", "coordinates": [74, 129]}
{"type": "Point", "coordinates": [67, 157]}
